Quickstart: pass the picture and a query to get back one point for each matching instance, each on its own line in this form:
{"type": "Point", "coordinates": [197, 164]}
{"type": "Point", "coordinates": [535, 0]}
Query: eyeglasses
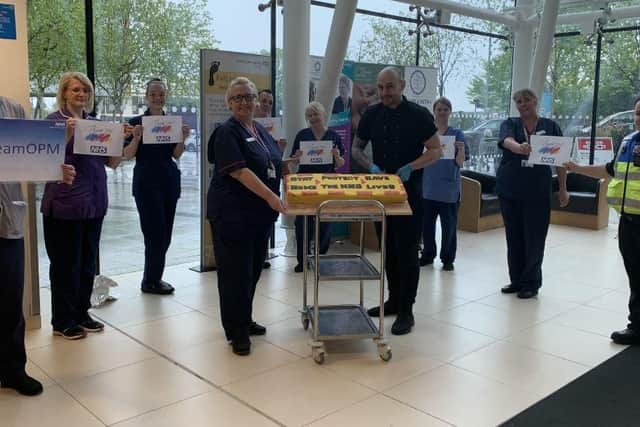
{"type": "Point", "coordinates": [246, 98]}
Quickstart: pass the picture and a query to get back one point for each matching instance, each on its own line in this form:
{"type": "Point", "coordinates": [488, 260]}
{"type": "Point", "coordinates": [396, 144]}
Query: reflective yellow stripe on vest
{"type": "Point", "coordinates": [616, 188]}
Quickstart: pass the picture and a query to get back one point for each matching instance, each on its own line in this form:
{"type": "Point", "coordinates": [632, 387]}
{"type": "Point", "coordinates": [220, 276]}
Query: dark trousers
{"type": "Point", "coordinates": [526, 223]}
{"type": "Point", "coordinates": [240, 250]}
{"type": "Point", "coordinates": [401, 258]}
{"type": "Point", "coordinates": [72, 247]}
{"type": "Point", "coordinates": [629, 244]}
{"type": "Point", "coordinates": [324, 234]}
{"type": "Point", "coordinates": [448, 213]}
{"type": "Point", "coordinates": [12, 353]}
{"type": "Point", "coordinates": [157, 211]}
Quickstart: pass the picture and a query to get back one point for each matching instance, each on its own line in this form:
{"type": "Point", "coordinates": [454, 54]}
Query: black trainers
{"type": "Point", "coordinates": [424, 261]}
{"type": "Point", "coordinates": [266, 265]}
{"type": "Point", "coordinates": [626, 337]}
{"type": "Point", "coordinates": [256, 329]}
{"type": "Point", "coordinates": [91, 325]}
{"type": "Point", "coordinates": [241, 347]}
{"type": "Point", "coordinates": [448, 266]}
{"type": "Point", "coordinates": [23, 384]}
{"type": "Point", "coordinates": [160, 288]}
{"type": "Point", "coordinates": [403, 324]}
{"type": "Point", "coordinates": [298, 268]}
{"type": "Point", "coordinates": [73, 333]}
{"type": "Point", "coordinates": [510, 289]}
{"type": "Point", "coordinates": [390, 309]}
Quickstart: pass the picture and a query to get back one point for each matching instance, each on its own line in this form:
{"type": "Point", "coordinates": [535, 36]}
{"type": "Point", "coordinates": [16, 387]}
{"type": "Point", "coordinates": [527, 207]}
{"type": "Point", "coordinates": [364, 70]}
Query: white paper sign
{"type": "Point", "coordinates": [162, 129]}
{"type": "Point", "coordinates": [98, 138]}
{"type": "Point", "coordinates": [448, 143]}
{"type": "Point", "coordinates": [316, 152]}
{"type": "Point", "coordinates": [550, 150]}
{"type": "Point", "coordinates": [273, 125]}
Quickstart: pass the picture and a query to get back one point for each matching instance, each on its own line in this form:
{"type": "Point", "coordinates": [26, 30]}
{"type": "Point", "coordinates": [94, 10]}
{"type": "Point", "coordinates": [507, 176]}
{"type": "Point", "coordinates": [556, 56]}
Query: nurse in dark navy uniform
{"type": "Point", "coordinates": [525, 194]}
{"type": "Point", "coordinates": [243, 202]}
{"type": "Point", "coordinates": [156, 189]}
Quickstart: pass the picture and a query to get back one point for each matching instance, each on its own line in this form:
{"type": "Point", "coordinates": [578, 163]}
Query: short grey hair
{"type": "Point", "coordinates": [240, 81]}
{"type": "Point", "coordinates": [525, 93]}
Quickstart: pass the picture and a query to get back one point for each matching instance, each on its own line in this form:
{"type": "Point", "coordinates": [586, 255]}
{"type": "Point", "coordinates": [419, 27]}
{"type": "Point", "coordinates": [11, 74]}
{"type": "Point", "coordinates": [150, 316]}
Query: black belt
{"type": "Point", "coordinates": [633, 219]}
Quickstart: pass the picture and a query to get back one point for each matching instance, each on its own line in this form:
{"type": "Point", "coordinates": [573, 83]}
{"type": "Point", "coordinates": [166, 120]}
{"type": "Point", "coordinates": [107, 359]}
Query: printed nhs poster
{"type": "Point", "coordinates": [31, 150]}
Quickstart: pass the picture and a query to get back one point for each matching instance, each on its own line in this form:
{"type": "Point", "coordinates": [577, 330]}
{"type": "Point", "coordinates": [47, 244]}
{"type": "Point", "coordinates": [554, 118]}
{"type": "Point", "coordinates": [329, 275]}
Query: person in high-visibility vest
{"type": "Point", "coordinates": [623, 194]}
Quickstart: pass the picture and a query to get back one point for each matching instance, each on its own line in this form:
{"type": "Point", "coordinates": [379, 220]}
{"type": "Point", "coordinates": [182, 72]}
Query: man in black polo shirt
{"type": "Point", "coordinates": [399, 131]}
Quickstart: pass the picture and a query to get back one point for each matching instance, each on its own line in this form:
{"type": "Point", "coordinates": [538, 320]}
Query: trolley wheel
{"type": "Point", "coordinates": [385, 353]}
{"type": "Point", "coordinates": [318, 355]}
{"type": "Point", "coordinates": [305, 321]}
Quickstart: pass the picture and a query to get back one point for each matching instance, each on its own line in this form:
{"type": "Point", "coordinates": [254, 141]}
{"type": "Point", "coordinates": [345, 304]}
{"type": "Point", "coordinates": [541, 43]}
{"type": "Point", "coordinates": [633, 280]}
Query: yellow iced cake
{"type": "Point", "coordinates": [312, 189]}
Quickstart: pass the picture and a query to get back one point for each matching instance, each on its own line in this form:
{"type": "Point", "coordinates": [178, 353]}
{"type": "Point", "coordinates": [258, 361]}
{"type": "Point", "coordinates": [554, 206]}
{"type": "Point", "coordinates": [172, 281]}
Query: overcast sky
{"type": "Point", "coordinates": [242, 28]}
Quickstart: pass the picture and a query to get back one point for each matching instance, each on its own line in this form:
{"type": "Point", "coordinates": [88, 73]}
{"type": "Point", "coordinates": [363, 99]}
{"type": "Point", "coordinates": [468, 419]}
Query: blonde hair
{"type": "Point", "coordinates": [526, 94]}
{"type": "Point", "coordinates": [240, 81]}
{"type": "Point", "coordinates": [318, 108]}
{"type": "Point", "coordinates": [63, 85]}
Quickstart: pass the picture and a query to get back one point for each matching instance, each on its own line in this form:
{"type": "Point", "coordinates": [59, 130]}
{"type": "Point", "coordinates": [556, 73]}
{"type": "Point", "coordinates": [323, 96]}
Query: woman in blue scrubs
{"type": "Point", "coordinates": [156, 189]}
{"type": "Point", "coordinates": [243, 202]}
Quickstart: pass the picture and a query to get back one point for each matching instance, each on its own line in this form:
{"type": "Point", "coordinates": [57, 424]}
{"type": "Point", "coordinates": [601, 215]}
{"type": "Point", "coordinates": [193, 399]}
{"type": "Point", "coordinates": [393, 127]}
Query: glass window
{"type": "Point", "coordinates": [134, 42]}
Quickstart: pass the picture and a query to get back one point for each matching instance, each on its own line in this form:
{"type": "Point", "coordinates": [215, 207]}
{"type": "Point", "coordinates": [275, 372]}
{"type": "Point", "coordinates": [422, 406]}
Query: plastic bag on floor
{"type": "Point", "coordinates": [101, 287]}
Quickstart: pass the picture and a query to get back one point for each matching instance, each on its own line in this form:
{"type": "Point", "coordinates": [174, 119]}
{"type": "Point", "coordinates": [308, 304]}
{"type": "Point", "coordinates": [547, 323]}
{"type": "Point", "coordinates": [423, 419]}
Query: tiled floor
{"type": "Point", "coordinates": [475, 358]}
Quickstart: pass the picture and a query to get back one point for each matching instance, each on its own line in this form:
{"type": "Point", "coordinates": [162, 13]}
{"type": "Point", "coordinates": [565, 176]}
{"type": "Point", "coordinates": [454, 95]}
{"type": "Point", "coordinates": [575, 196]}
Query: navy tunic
{"type": "Point", "coordinates": [231, 147]}
{"type": "Point", "coordinates": [307, 135]}
{"type": "Point", "coordinates": [155, 168]}
{"type": "Point", "coordinates": [515, 181]}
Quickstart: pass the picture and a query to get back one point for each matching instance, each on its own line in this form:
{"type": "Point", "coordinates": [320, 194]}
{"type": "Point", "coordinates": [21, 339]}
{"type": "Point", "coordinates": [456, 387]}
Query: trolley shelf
{"type": "Point", "coordinates": [345, 267]}
{"type": "Point", "coordinates": [338, 322]}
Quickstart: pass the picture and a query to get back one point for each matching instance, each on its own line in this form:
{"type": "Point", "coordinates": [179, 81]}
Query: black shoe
{"type": "Point", "coordinates": [403, 324]}
{"type": "Point", "coordinates": [626, 337]}
{"type": "Point", "coordinates": [298, 268]}
{"type": "Point", "coordinates": [448, 266]}
{"type": "Point", "coordinates": [160, 288]}
{"type": "Point", "coordinates": [266, 265]}
{"type": "Point", "coordinates": [241, 347]}
{"type": "Point", "coordinates": [256, 329]}
{"type": "Point", "coordinates": [527, 293]}
{"type": "Point", "coordinates": [23, 384]}
{"type": "Point", "coordinates": [390, 309]}
{"type": "Point", "coordinates": [73, 333]}
{"type": "Point", "coordinates": [91, 325]}
{"type": "Point", "coordinates": [510, 289]}
{"type": "Point", "coordinates": [424, 261]}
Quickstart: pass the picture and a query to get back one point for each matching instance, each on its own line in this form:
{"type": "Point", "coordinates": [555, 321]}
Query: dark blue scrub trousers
{"type": "Point", "coordinates": [13, 357]}
{"type": "Point", "coordinates": [629, 245]}
{"type": "Point", "coordinates": [157, 211]}
{"type": "Point", "coordinates": [526, 223]}
{"type": "Point", "coordinates": [448, 213]}
{"type": "Point", "coordinates": [324, 232]}
{"type": "Point", "coordinates": [72, 247]}
{"type": "Point", "coordinates": [240, 249]}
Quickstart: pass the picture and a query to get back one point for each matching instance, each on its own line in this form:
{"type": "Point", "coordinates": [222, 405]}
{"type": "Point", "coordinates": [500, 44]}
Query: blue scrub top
{"type": "Point", "coordinates": [232, 147]}
{"type": "Point", "coordinates": [307, 135]}
{"type": "Point", "coordinates": [441, 180]}
{"type": "Point", "coordinates": [155, 167]}
{"type": "Point", "coordinates": [515, 181]}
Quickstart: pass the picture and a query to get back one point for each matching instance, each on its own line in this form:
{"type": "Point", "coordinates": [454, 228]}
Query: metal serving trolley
{"type": "Point", "coordinates": [349, 321]}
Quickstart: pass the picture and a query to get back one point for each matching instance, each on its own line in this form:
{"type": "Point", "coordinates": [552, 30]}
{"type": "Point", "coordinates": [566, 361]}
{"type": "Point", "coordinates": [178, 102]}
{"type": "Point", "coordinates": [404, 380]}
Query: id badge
{"type": "Point", "coordinates": [271, 173]}
{"type": "Point", "coordinates": [526, 164]}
